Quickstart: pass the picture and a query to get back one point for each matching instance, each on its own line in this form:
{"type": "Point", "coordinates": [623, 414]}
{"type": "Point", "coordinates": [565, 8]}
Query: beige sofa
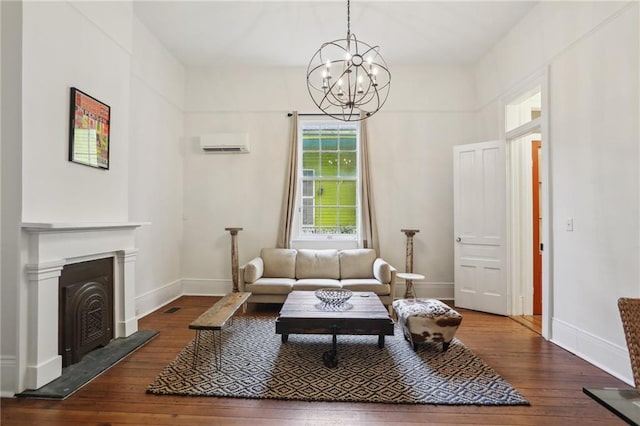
{"type": "Point", "coordinates": [276, 272]}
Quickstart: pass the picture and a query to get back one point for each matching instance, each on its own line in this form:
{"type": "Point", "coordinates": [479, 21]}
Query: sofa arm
{"type": "Point", "coordinates": [250, 272]}
{"type": "Point", "coordinates": [392, 283]}
{"type": "Point", "coordinates": [386, 274]}
{"type": "Point", "coordinates": [382, 270]}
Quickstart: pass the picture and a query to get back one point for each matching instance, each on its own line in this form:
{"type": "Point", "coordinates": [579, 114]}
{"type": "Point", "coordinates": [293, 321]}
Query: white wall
{"type": "Point", "coordinates": [10, 187]}
{"type": "Point", "coordinates": [86, 45]}
{"type": "Point", "coordinates": [429, 110]}
{"type": "Point", "coordinates": [595, 121]}
{"type": "Point", "coordinates": [155, 169]}
{"type": "Point", "coordinates": [591, 50]}
{"type": "Point", "coordinates": [100, 48]}
{"type": "Point", "coordinates": [91, 50]}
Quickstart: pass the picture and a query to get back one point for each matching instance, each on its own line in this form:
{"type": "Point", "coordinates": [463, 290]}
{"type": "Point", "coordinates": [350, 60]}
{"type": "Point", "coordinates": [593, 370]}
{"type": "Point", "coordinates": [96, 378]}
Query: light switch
{"type": "Point", "coordinates": [570, 224]}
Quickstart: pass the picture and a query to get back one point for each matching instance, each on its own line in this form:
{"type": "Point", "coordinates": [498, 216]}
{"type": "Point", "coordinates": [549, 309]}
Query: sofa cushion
{"type": "Point", "coordinates": [271, 286]}
{"type": "Point", "coordinates": [366, 284]}
{"type": "Point", "coordinates": [357, 263]}
{"type": "Point", "coordinates": [315, 284]}
{"type": "Point", "coordinates": [317, 264]}
{"type": "Point", "coordinates": [382, 271]}
{"type": "Point", "coordinates": [279, 263]}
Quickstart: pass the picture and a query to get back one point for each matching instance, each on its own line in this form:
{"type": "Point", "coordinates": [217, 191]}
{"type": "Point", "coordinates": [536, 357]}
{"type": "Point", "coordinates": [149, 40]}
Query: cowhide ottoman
{"type": "Point", "coordinates": [427, 320]}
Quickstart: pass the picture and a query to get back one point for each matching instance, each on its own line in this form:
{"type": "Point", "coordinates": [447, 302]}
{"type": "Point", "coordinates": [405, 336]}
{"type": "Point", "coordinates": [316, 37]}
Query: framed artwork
{"type": "Point", "coordinates": [89, 130]}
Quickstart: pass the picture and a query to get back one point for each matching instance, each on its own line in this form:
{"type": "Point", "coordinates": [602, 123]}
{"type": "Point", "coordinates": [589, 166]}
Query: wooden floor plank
{"type": "Point", "coordinates": [533, 322]}
{"type": "Point", "coordinates": [548, 376]}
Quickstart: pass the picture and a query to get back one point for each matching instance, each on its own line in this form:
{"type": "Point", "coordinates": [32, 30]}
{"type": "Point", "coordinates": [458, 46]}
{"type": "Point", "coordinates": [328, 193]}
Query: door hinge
{"type": "Point", "coordinates": [541, 247]}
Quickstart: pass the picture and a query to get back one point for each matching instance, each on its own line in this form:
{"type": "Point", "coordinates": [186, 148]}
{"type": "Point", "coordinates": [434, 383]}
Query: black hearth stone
{"type": "Point", "coordinates": [92, 365]}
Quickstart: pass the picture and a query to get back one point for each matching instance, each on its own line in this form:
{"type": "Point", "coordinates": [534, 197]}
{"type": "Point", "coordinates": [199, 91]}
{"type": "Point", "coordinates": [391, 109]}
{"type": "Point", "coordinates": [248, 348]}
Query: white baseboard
{"type": "Point", "coordinates": [153, 300]}
{"type": "Point", "coordinates": [148, 302]}
{"type": "Point", "coordinates": [605, 355]}
{"type": "Point", "coordinates": [8, 376]}
{"type": "Point", "coordinates": [39, 375]}
{"type": "Point", "coordinates": [206, 287]}
{"type": "Point", "coordinates": [126, 328]}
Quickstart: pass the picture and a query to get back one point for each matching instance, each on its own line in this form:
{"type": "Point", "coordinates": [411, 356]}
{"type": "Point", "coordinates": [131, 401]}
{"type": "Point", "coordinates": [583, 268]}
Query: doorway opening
{"type": "Point", "coordinates": [523, 134]}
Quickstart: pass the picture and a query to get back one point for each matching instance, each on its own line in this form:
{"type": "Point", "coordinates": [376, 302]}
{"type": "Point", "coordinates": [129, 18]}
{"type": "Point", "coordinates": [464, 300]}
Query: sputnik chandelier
{"type": "Point", "coordinates": [347, 78]}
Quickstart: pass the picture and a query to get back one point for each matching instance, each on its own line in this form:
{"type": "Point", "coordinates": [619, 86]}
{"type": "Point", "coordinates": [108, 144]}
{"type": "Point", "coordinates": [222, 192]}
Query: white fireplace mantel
{"type": "Point", "coordinates": [51, 246]}
{"type": "Point", "coordinates": [78, 226]}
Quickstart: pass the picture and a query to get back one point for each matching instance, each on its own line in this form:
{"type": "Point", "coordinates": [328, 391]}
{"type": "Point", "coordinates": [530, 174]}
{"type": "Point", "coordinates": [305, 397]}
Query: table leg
{"type": "Point", "coordinates": [409, 293]}
{"type": "Point", "coordinates": [217, 348]}
{"type": "Point", "coordinates": [196, 348]}
{"type": "Point", "coordinates": [381, 341]}
{"type": "Point", "coordinates": [330, 358]}
{"type": "Point", "coordinates": [215, 344]}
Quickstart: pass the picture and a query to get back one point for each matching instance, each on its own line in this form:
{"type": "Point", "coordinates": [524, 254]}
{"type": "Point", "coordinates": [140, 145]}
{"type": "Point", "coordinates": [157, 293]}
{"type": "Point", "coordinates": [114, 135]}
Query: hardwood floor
{"type": "Point", "coordinates": [532, 322]}
{"type": "Point", "coordinates": [548, 376]}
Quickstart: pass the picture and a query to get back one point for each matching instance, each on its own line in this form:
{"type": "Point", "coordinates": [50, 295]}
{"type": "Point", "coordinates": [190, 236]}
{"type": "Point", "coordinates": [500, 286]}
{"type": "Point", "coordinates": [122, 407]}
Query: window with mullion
{"type": "Point", "coordinates": [329, 166]}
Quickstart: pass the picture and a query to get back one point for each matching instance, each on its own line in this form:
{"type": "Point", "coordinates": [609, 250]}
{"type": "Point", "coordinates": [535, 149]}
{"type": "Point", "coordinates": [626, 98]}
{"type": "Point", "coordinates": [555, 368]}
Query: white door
{"type": "Point", "coordinates": [479, 206]}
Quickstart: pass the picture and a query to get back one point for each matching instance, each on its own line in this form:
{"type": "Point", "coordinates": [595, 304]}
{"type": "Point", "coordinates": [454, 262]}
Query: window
{"type": "Point", "coordinates": [523, 109]}
{"type": "Point", "coordinates": [308, 195]}
{"type": "Point", "coordinates": [328, 199]}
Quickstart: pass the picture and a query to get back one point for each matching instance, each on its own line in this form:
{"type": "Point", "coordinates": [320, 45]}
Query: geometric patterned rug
{"type": "Point", "coordinates": [255, 364]}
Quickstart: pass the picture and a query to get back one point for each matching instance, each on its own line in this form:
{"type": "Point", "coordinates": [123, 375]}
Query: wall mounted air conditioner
{"type": "Point", "coordinates": [225, 143]}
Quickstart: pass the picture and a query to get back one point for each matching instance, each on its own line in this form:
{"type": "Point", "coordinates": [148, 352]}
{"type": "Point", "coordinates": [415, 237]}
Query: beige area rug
{"type": "Point", "coordinates": [257, 365]}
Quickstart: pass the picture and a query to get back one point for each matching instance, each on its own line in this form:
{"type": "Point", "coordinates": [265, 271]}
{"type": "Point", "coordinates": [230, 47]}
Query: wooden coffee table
{"type": "Point", "coordinates": [364, 314]}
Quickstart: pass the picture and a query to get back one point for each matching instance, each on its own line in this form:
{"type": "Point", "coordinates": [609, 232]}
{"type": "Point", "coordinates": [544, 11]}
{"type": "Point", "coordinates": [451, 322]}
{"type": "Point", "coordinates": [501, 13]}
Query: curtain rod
{"type": "Point", "coordinates": [317, 114]}
{"type": "Point", "coordinates": [312, 114]}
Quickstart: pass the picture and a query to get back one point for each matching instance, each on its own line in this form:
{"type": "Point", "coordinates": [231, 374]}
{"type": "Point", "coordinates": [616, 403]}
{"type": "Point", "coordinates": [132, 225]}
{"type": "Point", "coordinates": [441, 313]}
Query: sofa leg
{"type": "Point", "coordinates": [445, 346]}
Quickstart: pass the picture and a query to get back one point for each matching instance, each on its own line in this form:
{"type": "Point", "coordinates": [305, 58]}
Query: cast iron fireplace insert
{"type": "Point", "coordinates": [85, 308]}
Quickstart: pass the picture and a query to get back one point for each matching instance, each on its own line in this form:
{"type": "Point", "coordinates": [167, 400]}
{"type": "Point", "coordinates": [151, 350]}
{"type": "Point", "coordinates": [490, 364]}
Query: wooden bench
{"type": "Point", "coordinates": [214, 319]}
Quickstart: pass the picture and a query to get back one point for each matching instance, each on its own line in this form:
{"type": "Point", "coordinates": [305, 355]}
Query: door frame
{"type": "Point", "coordinates": [539, 125]}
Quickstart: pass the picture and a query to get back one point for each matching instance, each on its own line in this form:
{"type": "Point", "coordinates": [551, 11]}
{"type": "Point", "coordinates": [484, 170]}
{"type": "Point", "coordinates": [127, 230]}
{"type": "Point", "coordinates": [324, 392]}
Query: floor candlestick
{"type": "Point", "coordinates": [234, 256]}
{"type": "Point", "coordinates": [409, 263]}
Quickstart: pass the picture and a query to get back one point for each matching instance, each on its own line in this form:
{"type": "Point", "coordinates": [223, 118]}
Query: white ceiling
{"type": "Point", "coordinates": [287, 33]}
